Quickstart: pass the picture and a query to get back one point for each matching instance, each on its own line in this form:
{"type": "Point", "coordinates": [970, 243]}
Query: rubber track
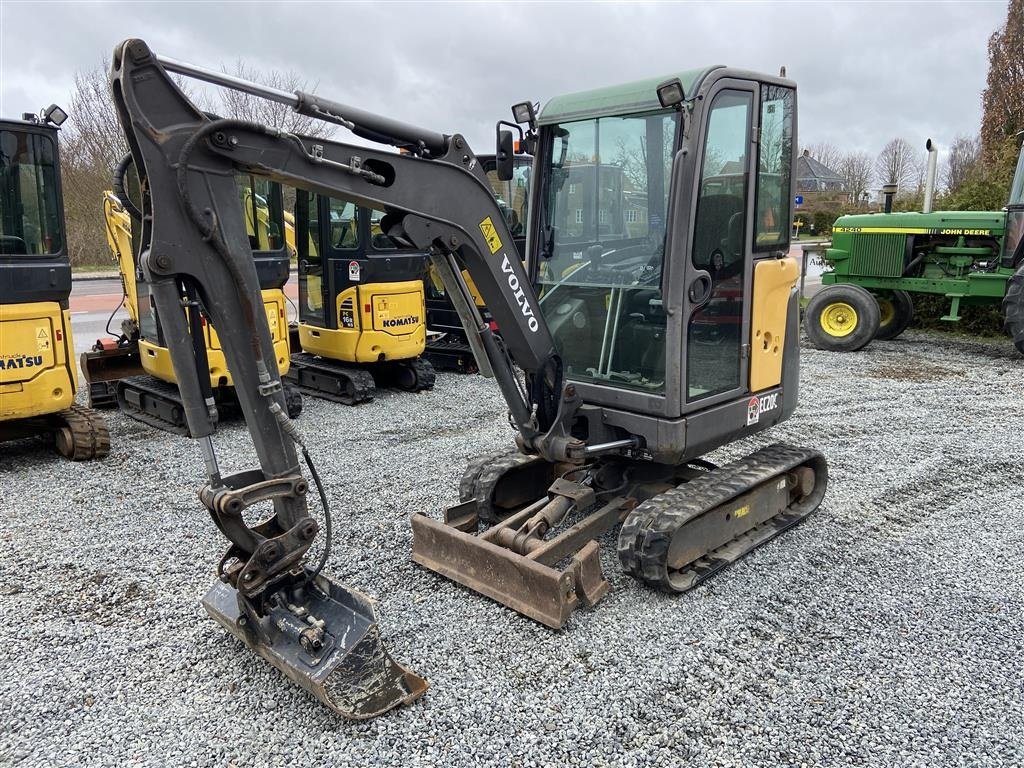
{"type": "Point", "coordinates": [363, 384]}
{"type": "Point", "coordinates": [1013, 309]}
{"type": "Point", "coordinates": [451, 356]}
{"type": "Point", "coordinates": [154, 388]}
{"type": "Point", "coordinates": [425, 374]}
{"type": "Point", "coordinates": [483, 474]}
{"type": "Point", "coordinates": [647, 533]}
{"type": "Point", "coordinates": [89, 434]}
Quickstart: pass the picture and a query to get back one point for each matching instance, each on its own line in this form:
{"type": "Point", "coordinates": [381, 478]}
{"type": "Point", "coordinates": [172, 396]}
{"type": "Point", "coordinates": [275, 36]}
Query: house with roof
{"type": "Point", "coordinates": [813, 176]}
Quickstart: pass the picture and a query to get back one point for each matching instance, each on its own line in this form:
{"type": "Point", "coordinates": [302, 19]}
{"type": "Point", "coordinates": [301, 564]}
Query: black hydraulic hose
{"type": "Point", "coordinates": [121, 191]}
{"type": "Point", "coordinates": [327, 516]}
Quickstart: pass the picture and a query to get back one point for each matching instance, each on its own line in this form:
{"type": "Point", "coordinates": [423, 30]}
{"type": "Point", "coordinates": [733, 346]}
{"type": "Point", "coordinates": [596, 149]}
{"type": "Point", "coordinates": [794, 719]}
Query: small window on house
{"type": "Point", "coordinates": [572, 189]}
{"type": "Point", "coordinates": [579, 215]}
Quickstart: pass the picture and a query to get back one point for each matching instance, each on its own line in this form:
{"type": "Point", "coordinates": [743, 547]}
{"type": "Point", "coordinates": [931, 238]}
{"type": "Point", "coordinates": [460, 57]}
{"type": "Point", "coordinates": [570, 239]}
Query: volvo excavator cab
{"type": "Point", "coordinates": [615, 387]}
{"type": "Point", "coordinates": [38, 379]}
{"type": "Point", "coordinates": [362, 320]}
{"type": "Point", "coordinates": [133, 371]}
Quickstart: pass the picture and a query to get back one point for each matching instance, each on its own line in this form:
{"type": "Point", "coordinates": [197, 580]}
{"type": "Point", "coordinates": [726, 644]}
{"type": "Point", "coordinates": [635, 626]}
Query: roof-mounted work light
{"type": "Point", "coordinates": [54, 114]}
{"type": "Point", "coordinates": [671, 94]}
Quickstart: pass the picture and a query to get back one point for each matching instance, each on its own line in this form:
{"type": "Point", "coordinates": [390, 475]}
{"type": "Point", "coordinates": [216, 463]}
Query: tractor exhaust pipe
{"type": "Point", "coordinates": [929, 180]}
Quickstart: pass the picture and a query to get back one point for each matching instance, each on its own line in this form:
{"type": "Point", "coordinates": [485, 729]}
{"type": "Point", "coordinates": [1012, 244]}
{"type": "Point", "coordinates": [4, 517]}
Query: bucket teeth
{"type": "Point", "coordinates": [353, 674]}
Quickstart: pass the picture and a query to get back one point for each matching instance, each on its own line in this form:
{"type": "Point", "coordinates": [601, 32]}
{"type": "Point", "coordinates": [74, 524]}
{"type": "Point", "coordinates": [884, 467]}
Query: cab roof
{"type": "Point", "coordinates": [637, 96]}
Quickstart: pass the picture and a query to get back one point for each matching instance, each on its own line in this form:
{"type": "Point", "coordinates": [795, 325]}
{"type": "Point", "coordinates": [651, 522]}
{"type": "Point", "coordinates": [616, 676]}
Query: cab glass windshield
{"type": "Point", "coordinates": [30, 221]}
{"type": "Point", "coordinates": [602, 246]}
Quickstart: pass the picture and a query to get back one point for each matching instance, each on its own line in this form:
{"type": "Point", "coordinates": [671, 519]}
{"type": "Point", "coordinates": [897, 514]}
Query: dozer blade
{"type": "Point", "coordinates": [103, 368]}
{"type": "Point", "coordinates": [529, 584]}
{"type": "Point", "coordinates": [351, 672]}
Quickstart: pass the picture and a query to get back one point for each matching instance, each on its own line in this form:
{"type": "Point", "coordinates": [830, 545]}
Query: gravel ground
{"type": "Point", "coordinates": [885, 630]}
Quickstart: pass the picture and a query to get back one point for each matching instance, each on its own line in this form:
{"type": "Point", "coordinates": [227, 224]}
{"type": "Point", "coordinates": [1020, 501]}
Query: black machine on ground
{"type": "Point", "coordinates": [362, 321]}
{"type": "Point", "coordinates": [652, 338]}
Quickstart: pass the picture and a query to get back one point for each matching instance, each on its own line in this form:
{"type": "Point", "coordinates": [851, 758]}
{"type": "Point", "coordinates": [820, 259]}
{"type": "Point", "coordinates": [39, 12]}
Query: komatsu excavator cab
{"type": "Point", "coordinates": [38, 377]}
{"type": "Point", "coordinates": [362, 321]}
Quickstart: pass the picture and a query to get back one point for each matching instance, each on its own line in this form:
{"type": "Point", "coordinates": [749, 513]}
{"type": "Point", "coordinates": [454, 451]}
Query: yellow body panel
{"type": "Point", "coordinates": [377, 322]}
{"type": "Point", "coordinates": [37, 377]}
{"type": "Point", "coordinates": [774, 280]}
{"type": "Point", "coordinates": [156, 360]}
{"type": "Point", "coordinates": [435, 280]}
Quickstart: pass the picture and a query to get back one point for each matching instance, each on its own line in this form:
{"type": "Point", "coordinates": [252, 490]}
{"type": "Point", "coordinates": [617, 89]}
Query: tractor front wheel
{"type": "Point", "coordinates": [842, 318]}
{"type": "Point", "coordinates": [896, 311]}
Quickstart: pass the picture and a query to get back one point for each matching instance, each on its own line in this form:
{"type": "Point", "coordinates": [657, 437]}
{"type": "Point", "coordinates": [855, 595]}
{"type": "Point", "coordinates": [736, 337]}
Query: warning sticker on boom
{"type": "Point", "coordinates": [490, 235]}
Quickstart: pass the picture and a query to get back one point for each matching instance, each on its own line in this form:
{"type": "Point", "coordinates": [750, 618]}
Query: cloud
{"type": "Point", "coordinates": [866, 72]}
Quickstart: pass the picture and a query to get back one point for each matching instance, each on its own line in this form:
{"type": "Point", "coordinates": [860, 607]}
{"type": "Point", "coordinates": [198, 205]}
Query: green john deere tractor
{"type": "Point", "coordinates": [878, 259]}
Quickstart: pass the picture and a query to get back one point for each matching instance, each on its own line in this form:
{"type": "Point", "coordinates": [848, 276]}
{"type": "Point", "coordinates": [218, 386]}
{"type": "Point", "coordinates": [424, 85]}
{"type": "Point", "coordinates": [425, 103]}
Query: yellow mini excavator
{"type": "Point", "coordinates": [655, 320]}
{"type": "Point", "coordinates": [362, 313]}
{"type": "Point", "coordinates": [38, 378]}
{"type": "Point", "coordinates": [133, 371]}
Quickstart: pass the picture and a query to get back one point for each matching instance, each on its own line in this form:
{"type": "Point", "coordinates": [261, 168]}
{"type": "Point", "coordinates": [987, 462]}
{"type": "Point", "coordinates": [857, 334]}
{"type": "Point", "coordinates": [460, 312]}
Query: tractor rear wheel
{"type": "Point", "coordinates": [1013, 309]}
{"type": "Point", "coordinates": [842, 318]}
{"type": "Point", "coordinates": [896, 310]}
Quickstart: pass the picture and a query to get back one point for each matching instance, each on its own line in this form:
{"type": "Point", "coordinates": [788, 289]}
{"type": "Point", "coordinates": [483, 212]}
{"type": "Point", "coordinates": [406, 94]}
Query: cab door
{"type": "Point", "coordinates": [717, 272]}
{"type": "Point", "coordinates": [312, 286]}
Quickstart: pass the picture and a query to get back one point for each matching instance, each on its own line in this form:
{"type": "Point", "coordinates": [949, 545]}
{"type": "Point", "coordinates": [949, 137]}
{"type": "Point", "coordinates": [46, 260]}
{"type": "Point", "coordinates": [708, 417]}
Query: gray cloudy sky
{"type": "Point", "coordinates": [866, 71]}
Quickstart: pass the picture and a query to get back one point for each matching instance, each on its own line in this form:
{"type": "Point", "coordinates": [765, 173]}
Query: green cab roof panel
{"type": "Point", "coordinates": [627, 98]}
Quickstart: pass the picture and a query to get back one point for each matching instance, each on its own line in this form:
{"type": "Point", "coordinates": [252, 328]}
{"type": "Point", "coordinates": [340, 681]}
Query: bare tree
{"type": "Point", "coordinates": [857, 170]}
{"type": "Point", "coordinates": [898, 164]}
{"type": "Point", "coordinates": [827, 154]}
{"type": "Point", "coordinates": [964, 154]}
{"type": "Point", "coordinates": [246, 107]}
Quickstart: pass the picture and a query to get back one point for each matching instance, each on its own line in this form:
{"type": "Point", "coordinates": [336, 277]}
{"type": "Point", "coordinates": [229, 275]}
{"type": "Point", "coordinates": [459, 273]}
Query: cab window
{"type": "Point", "coordinates": [30, 220]}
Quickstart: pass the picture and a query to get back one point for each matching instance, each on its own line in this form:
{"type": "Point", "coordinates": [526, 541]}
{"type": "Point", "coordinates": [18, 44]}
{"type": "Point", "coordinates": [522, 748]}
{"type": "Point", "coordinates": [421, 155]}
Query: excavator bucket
{"type": "Point", "coordinates": [103, 367]}
{"type": "Point", "coordinates": [347, 668]}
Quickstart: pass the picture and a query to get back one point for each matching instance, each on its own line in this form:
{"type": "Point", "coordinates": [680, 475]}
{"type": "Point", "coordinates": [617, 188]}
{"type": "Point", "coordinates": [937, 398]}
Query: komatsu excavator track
{"type": "Point", "coordinates": [158, 403]}
{"type": "Point", "coordinates": [82, 434]}
{"type": "Point", "coordinates": [351, 384]}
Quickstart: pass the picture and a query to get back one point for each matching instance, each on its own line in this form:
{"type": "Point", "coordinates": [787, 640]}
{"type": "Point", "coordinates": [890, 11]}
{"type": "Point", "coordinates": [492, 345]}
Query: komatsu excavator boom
{"type": "Point", "coordinates": [648, 346]}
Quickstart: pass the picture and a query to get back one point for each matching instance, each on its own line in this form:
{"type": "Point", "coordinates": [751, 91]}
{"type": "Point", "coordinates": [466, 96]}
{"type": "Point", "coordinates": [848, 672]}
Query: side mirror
{"type": "Point", "coordinates": [504, 156]}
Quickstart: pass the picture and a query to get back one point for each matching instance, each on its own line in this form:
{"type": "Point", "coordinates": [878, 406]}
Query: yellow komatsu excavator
{"type": "Point", "coordinates": [656, 319]}
{"type": "Point", "coordinates": [134, 371]}
{"type": "Point", "coordinates": [38, 377]}
{"type": "Point", "coordinates": [362, 310]}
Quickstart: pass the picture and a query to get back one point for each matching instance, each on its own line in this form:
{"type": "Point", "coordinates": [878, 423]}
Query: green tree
{"type": "Point", "coordinates": [1003, 98]}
